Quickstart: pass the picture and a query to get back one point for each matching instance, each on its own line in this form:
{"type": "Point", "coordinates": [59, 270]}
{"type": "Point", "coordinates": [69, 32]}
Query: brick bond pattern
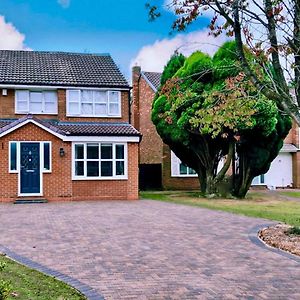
{"type": "Point", "coordinates": [7, 109]}
{"type": "Point", "coordinates": [58, 185]}
{"type": "Point", "coordinates": [150, 250]}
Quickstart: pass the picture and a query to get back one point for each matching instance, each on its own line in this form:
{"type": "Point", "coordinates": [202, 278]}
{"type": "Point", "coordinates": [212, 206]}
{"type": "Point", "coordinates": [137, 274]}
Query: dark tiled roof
{"type": "Point", "coordinates": [97, 129]}
{"type": "Point", "coordinates": [75, 128]}
{"type": "Point", "coordinates": [59, 68]}
{"type": "Point", "coordinates": [153, 78]}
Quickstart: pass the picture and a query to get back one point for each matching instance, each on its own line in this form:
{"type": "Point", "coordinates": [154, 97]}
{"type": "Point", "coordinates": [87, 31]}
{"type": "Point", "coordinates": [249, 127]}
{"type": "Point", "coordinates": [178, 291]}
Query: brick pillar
{"type": "Point", "coordinates": [135, 106]}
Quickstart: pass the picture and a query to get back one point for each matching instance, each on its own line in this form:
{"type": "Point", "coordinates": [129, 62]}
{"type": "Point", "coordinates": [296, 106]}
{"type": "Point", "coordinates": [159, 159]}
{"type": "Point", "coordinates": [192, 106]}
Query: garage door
{"type": "Point", "coordinates": [280, 173]}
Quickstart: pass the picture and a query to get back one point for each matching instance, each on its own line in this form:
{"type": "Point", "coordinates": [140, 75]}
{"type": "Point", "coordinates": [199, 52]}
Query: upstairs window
{"type": "Point", "coordinates": [36, 102]}
{"type": "Point", "coordinates": [92, 103]}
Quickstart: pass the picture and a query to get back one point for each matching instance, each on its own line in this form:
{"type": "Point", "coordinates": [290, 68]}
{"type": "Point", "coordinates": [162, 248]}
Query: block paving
{"type": "Point", "coordinates": [150, 250]}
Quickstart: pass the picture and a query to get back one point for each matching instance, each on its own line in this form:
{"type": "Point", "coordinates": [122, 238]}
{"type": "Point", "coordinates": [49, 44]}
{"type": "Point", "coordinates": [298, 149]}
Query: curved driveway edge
{"type": "Point", "coordinates": [86, 290]}
{"type": "Point", "coordinates": [253, 236]}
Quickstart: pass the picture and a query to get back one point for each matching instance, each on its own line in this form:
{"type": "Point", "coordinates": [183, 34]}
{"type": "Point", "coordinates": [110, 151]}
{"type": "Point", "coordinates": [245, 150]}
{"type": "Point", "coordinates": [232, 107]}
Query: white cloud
{"type": "Point", "coordinates": [154, 57]}
{"type": "Point", "coordinates": [64, 3]}
{"type": "Point", "coordinates": [11, 38]}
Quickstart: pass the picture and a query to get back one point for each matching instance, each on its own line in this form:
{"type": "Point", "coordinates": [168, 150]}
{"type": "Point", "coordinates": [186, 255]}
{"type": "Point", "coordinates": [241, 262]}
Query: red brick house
{"type": "Point", "coordinates": [157, 162]}
{"type": "Point", "coordinates": [159, 167]}
{"type": "Point", "coordinates": [65, 130]}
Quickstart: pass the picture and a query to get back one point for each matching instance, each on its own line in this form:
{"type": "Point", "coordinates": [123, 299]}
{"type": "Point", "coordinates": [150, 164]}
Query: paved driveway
{"type": "Point", "coordinates": [150, 250]}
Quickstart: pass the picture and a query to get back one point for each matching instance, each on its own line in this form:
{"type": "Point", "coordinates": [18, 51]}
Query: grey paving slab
{"type": "Point", "coordinates": [150, 250]}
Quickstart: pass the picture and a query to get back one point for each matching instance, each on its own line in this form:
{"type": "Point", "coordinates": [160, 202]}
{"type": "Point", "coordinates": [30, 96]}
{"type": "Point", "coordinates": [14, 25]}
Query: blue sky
{"type": "Point", "coordinates": [120, 28]}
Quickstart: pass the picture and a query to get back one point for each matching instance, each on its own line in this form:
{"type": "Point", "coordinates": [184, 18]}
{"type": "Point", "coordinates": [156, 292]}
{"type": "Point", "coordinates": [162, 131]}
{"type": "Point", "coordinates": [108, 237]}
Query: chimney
{"type": "Point", "coordinates": [135, 105]}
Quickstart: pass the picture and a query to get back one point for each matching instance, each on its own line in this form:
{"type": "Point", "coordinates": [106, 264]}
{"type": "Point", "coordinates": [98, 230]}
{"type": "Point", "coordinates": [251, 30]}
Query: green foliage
{"type": "Point", "coordinates": [5, 286]}
{"type": "Point", "coordinates": [294, 230]}
{"type": "Point", "coordinates": [197, 67]}
{"type": "Point", "coordinates": [207, 102]}
{"type": "Point", "coordinates": [175, 63]}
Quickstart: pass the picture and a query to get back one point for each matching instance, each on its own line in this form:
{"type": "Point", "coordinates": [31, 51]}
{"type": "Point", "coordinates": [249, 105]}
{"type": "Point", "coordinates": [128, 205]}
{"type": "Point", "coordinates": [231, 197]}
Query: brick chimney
{"type": "Point", "coordinates": [135, 105]}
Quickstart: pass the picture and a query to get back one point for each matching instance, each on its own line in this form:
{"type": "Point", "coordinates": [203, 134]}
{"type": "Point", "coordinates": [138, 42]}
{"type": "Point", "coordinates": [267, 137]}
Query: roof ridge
{"type": "Point", "coordinates": [57, 52]}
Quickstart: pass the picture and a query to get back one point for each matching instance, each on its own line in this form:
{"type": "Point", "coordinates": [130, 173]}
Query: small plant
{"type": "Point", "coordinates": [5, 286]}
{"type": "Point", "coordinates": [294, 230]}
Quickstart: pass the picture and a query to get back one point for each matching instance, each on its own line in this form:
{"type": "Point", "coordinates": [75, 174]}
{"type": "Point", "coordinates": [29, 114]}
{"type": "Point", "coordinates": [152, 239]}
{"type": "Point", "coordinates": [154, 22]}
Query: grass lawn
{"type": "Point", "coordinates": [294, 194]}
{"type": "Point", "coordinates": [30, 284]}
{"type": "Point", "coordinates": [256, 204]}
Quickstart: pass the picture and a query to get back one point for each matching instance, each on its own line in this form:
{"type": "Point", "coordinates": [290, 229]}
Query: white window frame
{"type": "Point", "coordinates": [27, 110]}
{"type": "Point", "coordinates": [93, 115]}
{"type": "Point", "coordinates": [175, 167]}
{"type": "Point", "coordinates": [18, 143]}
{"type": "Point", "coordinates": [114, 160]}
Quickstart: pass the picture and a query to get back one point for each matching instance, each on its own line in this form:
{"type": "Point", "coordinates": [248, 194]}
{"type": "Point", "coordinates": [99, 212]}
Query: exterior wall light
{"type": "Point", "coordinates": [61, 152]}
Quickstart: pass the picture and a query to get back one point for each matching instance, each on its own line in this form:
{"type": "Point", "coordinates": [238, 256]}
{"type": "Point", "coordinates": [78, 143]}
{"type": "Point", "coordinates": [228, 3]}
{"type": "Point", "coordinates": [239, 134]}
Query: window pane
{"type": "Point", "coordinates": [79, 150]}
{"type": "Point", "coordinates": [22, 95]}
{"type": "Point", "coordinates": [79, 168]}
{"type": "Point", "coordinates": [50, 107]}
{"type": "Point", "coordinates": [74, 108]}
{"type": "Point", "coordinates": [113, 108]}
{"type": "Point", "coordinates": [92, 168]}
{"type": "Point", "coordinates": [106, 151]}
{"type": "Point", "coordinates": [13, 156]}
{"type": "Point", "coordinates": [50, 96]}
{"type": "Point", "coordinates": [114, 97]}
{"type": "Point", "coordinates": [183, 169]}
{"type": "Point", "coordinates": [87, 108]}
{"type": "Point", "coordinates": [35, 107]}
{"type": "Point", "coordinates": [36, 97]}
{"type": "Point", "coordinates": [46, 156]}
{"type": "Point", "coordinates": [100, 96]}
{"type": "Point", "coordinates": [87, 96]}
{"type": "Point", "coordinates": [22, 106]}
{"type": "Point", "coordinates": [100, 109]}
{"type": "Point", "coordinates": [92, 151]}
{"type": "Point", "coordinates": [119, 151]}
{"type": "Point", "coordinates": [73, 96]}
{"type": "Point", "coordinates": [106, 168]}
{"type": "Point", "coordinates": [120, 168]}
{"type": "Point", "coordinates": [191, 171]}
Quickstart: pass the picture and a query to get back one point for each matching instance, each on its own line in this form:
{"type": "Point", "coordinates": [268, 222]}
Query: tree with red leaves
{"type": "Point", "coordinates": [269, 28]}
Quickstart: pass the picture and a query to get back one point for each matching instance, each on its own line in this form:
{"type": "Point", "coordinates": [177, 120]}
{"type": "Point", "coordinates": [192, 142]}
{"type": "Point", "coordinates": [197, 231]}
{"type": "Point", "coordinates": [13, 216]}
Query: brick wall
{"type": "Point", "coordinates": [58, 185]}
{"type": "Point", "coordinates": [175, 183]}
{"type": "Point", "coordinates": [7, 108]}
{"type": "Point", "coordinates": [151, 144]}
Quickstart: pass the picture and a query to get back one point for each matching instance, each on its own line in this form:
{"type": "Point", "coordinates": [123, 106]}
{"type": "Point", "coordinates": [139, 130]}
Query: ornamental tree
{"type": "Point", "coordinates": [209, 113]}
{"type": "Point", "coordinates": [271, 31]}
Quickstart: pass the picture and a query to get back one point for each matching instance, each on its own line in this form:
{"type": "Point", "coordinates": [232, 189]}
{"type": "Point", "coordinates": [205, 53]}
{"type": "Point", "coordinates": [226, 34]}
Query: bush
{"type": "Point", "coordinates": [294, 230]}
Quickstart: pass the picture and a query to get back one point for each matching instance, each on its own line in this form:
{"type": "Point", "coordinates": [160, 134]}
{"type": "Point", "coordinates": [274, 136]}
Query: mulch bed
{"type": "Point", "coordinates": [278, 236]}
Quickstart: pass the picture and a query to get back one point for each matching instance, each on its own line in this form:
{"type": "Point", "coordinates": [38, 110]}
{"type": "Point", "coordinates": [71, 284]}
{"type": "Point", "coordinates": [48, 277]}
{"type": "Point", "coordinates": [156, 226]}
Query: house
{"type": "Point", "coordinates": [159, 166]}
{"type": "Point", "coordinates": [65, 131]}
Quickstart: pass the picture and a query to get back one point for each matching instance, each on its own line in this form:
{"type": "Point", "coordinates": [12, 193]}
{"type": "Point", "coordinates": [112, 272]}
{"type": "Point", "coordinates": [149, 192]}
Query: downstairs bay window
{"type": "Point", "coordinates": [99, 161]}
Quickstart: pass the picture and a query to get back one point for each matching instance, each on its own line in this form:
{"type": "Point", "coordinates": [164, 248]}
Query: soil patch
{"type": "Point", "coordinates": [278, 236]}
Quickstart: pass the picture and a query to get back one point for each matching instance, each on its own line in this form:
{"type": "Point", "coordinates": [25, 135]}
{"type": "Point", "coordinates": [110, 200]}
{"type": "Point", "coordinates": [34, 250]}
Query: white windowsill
{"type": "Point", "coordinates": [99, 179]}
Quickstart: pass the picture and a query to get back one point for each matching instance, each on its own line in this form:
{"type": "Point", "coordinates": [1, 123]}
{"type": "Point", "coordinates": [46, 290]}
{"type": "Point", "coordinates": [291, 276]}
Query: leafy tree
{"type": "Point", "coordinates": [205, 107]}
{"type": "Point", "coordinates": [271, 30]}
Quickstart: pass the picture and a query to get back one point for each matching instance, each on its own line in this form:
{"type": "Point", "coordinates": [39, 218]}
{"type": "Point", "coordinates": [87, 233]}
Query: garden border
{"type": "Point", "coordinates": [253, 237]}
{"type": "Point", "coordinates": [85, 289]}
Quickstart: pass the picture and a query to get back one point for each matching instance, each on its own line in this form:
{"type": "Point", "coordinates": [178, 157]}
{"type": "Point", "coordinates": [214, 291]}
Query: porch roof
{"type": "Point", "coordinates": [71, 128]}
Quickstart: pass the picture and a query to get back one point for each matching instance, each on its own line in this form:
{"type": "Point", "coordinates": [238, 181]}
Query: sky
{"type": "Point", "coordinates": [120, 28]}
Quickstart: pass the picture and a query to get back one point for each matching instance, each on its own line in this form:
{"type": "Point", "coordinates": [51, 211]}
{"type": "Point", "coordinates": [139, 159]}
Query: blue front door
{"type": "Point", "coordinates": [30, 168]}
